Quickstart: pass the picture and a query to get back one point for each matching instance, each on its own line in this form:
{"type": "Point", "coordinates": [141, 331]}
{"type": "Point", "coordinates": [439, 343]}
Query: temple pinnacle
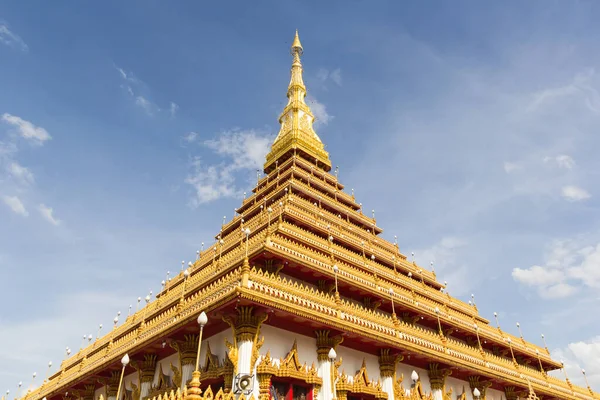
{"type": "Point", "coordinates": [296, 45]}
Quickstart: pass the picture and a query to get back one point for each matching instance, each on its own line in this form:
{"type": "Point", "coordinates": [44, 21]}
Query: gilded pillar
{"type": "Point", "coordinates": [324, 344]}
{"type": "Point", "coordinates": [246, 329]}
{"type": "Point", "coordinates": [481, 385]}
{"type": "Point", "coordinates": [187, 349]}
{"type": "Point", "coordinates": [112, 385]}
{"type": "Point", "coordinates": [146, 369]}
{"type": "Point", "coordinates": [264, 373]}
{"type": "Point", "coordinates": [437, 380]}
{"type": "Point", "coordinates": [387, 371]}
{"type": "Point", "coordinates": [88, 392]}
{"type": "Point", "coordinates": [511, 393]}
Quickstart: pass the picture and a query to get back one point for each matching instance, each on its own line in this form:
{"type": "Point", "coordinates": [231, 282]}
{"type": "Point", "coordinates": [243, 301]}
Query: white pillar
{"type": "Point", "coordinates": [387, 385]}
{"type": "Point", "coordinates": [186, 373]}
{"type": "Point", "coordinates": [437, 394]}
{"type": "Point", "coordinates": [145, 388]}
{"type": "Point", "coordinates": [324, 371]}
{"type": "Point", "coordinates": [387, 371]}
{"type": "Point", "coordinates": [244, 357]}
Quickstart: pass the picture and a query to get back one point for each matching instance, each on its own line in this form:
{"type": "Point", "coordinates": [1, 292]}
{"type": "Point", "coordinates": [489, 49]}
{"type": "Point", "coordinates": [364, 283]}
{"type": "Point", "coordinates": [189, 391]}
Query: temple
{"type": "Point", "coordinates": [300, 298]}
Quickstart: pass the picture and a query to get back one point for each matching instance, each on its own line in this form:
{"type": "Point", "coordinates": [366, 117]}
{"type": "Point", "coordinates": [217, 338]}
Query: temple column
{"type": "Point", "coordinates": [481, 385]}
{"type": "Point", "coordinates": [437, 380]}
{"type": "Point", "coordinates": [187, 349]}
{"type": "Point", "coordinates": [87, 393]}
{"type": "Point", "coordinates": [112, 385]}
{"type": "Point", "coordinates": [511, 393]}
{"type": "Point", "coordinates": [324, 344]}
{"type": "Point", "coordinates": [146, 369]}
{"type": "Point", "coordinates": [246, 329]}
{"type": "Point", "coordinates": [387, 371]}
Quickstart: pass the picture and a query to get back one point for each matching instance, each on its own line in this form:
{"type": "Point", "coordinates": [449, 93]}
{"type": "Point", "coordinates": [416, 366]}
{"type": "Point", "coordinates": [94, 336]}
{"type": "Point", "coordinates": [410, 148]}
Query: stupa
{"type": "Point", "coordinates": [300, 298]}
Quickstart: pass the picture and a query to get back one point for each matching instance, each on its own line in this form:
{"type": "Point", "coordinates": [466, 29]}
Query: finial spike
{"type": "Point", "coordinates": [296, 45]}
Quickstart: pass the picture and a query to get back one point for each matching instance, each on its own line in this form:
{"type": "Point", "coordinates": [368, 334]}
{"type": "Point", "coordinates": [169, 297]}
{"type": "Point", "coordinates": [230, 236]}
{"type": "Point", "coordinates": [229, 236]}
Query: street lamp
{"type": "Point", "coordinates": [202, 320]}
{"type": "Point", "coordinates": [124, 361]}
{"type": "Point", "coordinates": [332, 356]}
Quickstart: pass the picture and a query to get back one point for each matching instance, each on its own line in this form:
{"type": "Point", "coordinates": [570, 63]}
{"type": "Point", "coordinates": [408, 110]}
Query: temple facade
{"type": "Point", "coordinates": [302, 299]}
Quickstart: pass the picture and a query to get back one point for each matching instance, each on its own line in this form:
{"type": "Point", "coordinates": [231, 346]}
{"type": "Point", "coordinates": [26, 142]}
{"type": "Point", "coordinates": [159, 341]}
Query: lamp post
{"type": "Point", "coordinates": [437, 314]}
{"type": "Point", "coordinates": [414, 377]}
{"type": "Point", "coordinates": [332, 356]}
{"type": "Point", "coordinates": [520, 332]}
{"type": "Point", "coordinates": [336, 269]}
{"type": "Point", "coordinates": [391, 291]}
{"type": "Point", "coordinates": [202, 320]}
{"type": "Point", "coordinates": [186, 274]}
{"type": "Point", "coordinates": [124, 361]}
{"type": "Point", "coordinates": [511, 351]}
{"type": "Point", "coordinates": [247, 233]}
{"type": "Point", "coordinates": [537, 353]}
{"type": "Point", "coordinates": [545, 345]}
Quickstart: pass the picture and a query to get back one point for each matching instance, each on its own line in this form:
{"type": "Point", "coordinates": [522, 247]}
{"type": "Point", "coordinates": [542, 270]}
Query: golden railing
{"type": "Point", "coordinates": [305, 301]}
{"type": "Point", "coordinates": [413, 299]}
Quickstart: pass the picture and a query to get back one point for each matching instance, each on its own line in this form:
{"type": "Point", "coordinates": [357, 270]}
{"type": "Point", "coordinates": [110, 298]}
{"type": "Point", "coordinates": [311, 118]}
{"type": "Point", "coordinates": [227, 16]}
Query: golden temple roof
{"type": "Point", "coordinates": [297, 135]}
{"type": "Point", "coordinates": [299, 213]}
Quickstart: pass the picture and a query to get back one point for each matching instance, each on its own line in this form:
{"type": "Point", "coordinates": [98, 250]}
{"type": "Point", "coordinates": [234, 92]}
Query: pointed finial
{"type": "Point", "coordinates": [296, 45]}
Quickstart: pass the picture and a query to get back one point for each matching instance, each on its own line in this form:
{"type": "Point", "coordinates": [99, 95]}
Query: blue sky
{"type": "Point", "coordinates": [127, 130]}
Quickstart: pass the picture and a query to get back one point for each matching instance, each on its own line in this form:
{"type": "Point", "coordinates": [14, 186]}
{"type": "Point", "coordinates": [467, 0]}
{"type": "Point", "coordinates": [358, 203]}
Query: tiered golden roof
{"type": "Point", "coordinates": [299, 216]}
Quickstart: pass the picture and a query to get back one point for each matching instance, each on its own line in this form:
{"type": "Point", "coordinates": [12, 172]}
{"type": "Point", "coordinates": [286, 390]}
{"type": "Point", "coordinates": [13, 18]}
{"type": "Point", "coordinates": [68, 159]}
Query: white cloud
{"type": "Point", "coordinates": [581, 355]}
{"type": "Point", "coordinates": [173, 109]}
{"type": "Point", "coordinates": [574, 193]}
{"type": "Point", "coordinates": [320, 111]}
{"type": "Point", "coordinates": [580, 89]}
{"type": "Point", "coordinates": [133, 86]}
{"type": "Point", "coordinates": [562, 161]}
{"type": "Point", "coordinates": [243, 151]}
{"type": "Point", "coordinates": [336, 75]}
{"type": "Point", "coordinates": [145, 104]}
{"type": "Point", "coordinates": [26, 129]}
{"type": "Point", "coordinates": [190, 137]}
{"type": "Point", "coordinates": [10, 38]}
{"type": "Point", "coordinates": [15, 204]}
{"type": "Point", "coordinates": [20, 173]}
{"type": "Point", "coordinates": [569, 265]}
{"type": "Point", "coordinates": [48, 214]}
{"type": "Point", "coordinates": [511, 167]}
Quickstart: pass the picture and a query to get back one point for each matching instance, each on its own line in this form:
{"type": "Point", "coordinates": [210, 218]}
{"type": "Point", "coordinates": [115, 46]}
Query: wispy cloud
{"type": "Point", "coordinates": [581, 356]}
{"type": "Point", "coordinates": [27, 130]}
{"type": "Point", "coordinates": [15, 204]}
{"type": "Point", "coordinates": [323, 75]}
{"type": "Point", "coordinates": [241, 150]}
{"type": "Point", "coordinates": [190, 137]}
{"type": "Point", "coordinates": [133, 87]}
{"type": "Point", "coordinates": [574, 193]}
{"type": "Point", "coordinates": [562, 161]}
{"type": "Point", "coordinates": [22, 174]}
{"type": "Point", "coordinates": [173, 108]}
{"type": "Point", "coordinates": [322, 117]}
{"type": "Point", "coordinates": [569, 264]}
{"type": "Point", "coordinates": [48, 214]}
{"type": "Point", "coordinates": [146, 105]}
{"type": "Point", "coordinates": [11, 39]}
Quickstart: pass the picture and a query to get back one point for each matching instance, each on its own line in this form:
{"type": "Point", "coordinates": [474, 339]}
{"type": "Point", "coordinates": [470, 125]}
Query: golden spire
{"type": "Point", "coordinates": [296, 135]}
